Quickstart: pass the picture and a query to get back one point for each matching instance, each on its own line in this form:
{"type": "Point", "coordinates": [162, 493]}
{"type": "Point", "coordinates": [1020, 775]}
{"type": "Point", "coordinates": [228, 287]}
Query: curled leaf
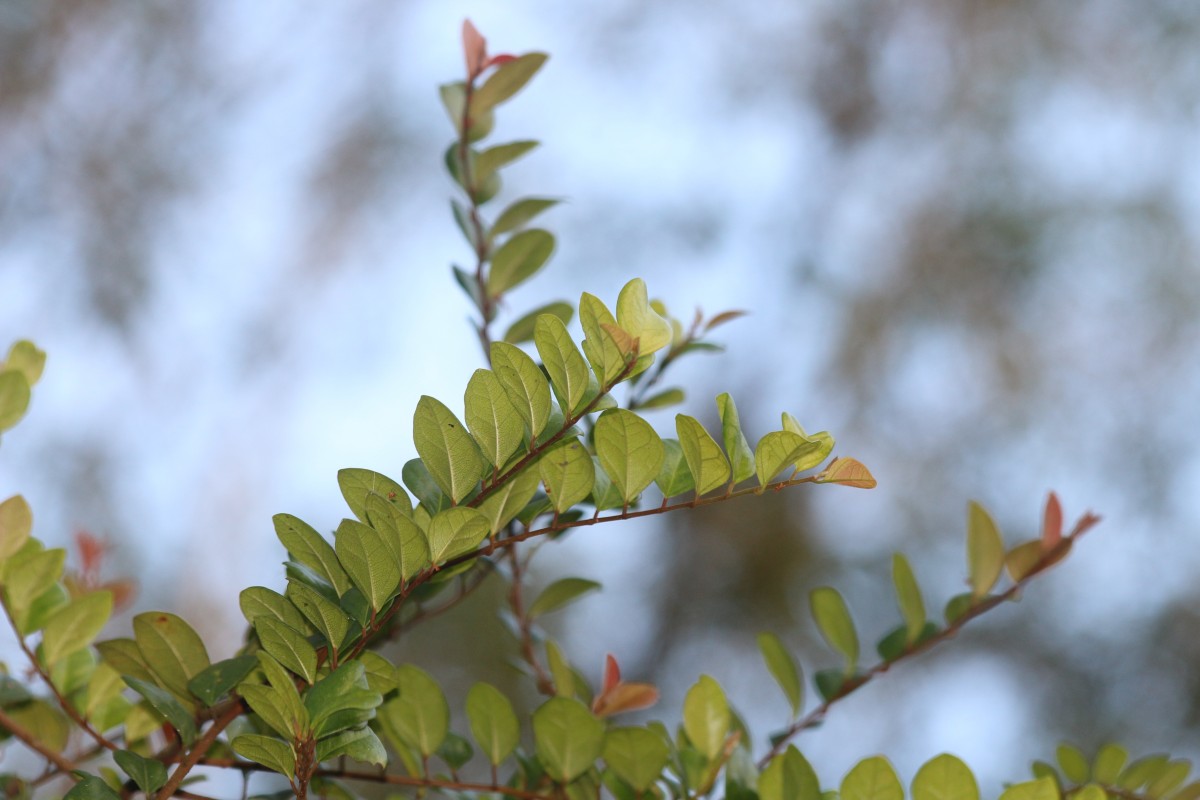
{"type": "Point", "coordinates": [848, 472]}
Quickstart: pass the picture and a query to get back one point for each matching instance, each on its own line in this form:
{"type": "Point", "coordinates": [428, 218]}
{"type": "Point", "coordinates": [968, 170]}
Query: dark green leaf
{"type": "Point", "coordinates": [829, 682]}
{"type": "Point", "coordinates": [166, 705]}
{"type": "Point", "coordinates": [90, 787]}
{"type": "Point", "coordinates": [417, 478]}
{"type": "Point", "coordinates": [456, 751]}
{"type": "Point", "coordinates": [148, 773]}
{"type": "Point", "coordinates": [215, 680]}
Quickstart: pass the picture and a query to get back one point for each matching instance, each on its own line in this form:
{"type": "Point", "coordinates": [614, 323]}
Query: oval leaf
{"type": "Point", "coordinates": [519, 259]}
{"type": "Point", "coordinates": [872, 779]}
{"type": "Point", "coordinates": [527, 387]}
{"type": "Point", "coordinates": [75, 626]}
{"type": "Point", "coordinates": [908, 597]}
{"type": "Point", "coordinates": [833, 619]}
{"type": "Point", "coordinates": [492, 418]}
{"type": "Point", "coordinates": [637, 755]}
{"type": "Point", "coordinates": [271, 753]}
{"type": "Point", "coordinates": [944, 778]}
{"type": "Point", "coordinates": [568, 738]}
{"type": "Point", "coordinates": [16, 522]}
{"type": "Point", "coordinates": [358, 484]}
{"type": "Point", "coordinates": [568, 474]}
{"type": "Point", "coordinates": [847, 472]}
{"type": "Point", "coordinates": [706, 717]}
{"type": "Point", "coordinates": [419, 715]}
{"type": "Point", "coordinates": [783, 668]}
{"type": "Point", "coordinates": [309, 548]}
{"type": "Point", "coordinates": [568, 371]}
{"type": "Point", "coordinates": [522, 329]}
{"type": "Point", "coordinates": [629, 450]}
{"type": "Point", "coordinates": [708, 465]}
{"type": "Point", "coordinates": [369, 562]}
{"type": "Point", "coordinates": [446, 449]}
{"type": "Point", "coordinates": [985, 550]}
{"type": "Point", "coordinates": [493, 722]}
{"type": "Point", "coordinates": [455, 532]}
{"type": "Point", "coordinates": [741, 457]}
{"type": "Point", "coordinates": [559, 594]}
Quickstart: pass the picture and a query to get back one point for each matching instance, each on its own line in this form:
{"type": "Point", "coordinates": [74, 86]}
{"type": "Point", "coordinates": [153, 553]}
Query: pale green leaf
{"type": "Point", "coordinates": [76, 625]}
{"type": "Point", "coordinates": [105, 684]}
{"type": "Point", "coordinates": [706, 717]}
{"type": "Point", "coordinates": [522, 329]}
{"type": "Point", "coordinates": [172, 650]}
{"type": "Point", "coordinates": [124, 656]}
{"type": "Point", "coordinates": [606, 355]}
{"type": "Point", "coordinates": [812, 456]}
{"type": "Point", "coordinates": [667, 397]}
{"type": "Point", "coordinates": [871, 779]}
{"type": "Point", "coordinates": [985, 550]}
{"type": "Point", "coordinates": [559, 594]}
{"type": "Point", "coordinates": [270, 752]}
{"type": "Point", "coordinates": [508, 79]}
{"type": "Point", "coordinates": [273, 709]}
{"type": "Point", "coordinates": [45, 722]}
{"type": "Point", "coordinates": [31, 574]}
{"type": "Point", "coordinates": [944, 778]}
{"type": "Point", "coordinates": [635, 315]}
{"type": "Point", "coordinates": [519, 259]}
{"type": "Point", "coordinates": [741, 457]}
{"type": "Point", "coordinates": [568, 738]}
{"type": "Point", "coordinates": [604, 494]}
{"type": "Point", "coordinates": [492, 418]}
{"type": "Point", "coordinates": [446, 448]}
{"type": "Point", "coordinates": [833, 620]}
{"type": "Point", "coordinates": [420, 482]}
{"type": "Point", "coordinates": [14, 397]}
{"type": "Point", "coordinates": [456, 532]}
{"type": "Point", "coordinates": [560, 670]}
{"type": "Point", "coordinates": [358, 484]}
{"type": "Point", "coordinates": [568, 474]}
{"type": "Point", "coordinates": [674, 478]}
{"type": "Point", "coordinates": [708, 465]}
{"type": "Point", "coordinates": [568, 371]}
{"type": "Point", "coordinates": [776, 452]}
{"type": "Point", "coordinates": [369, 562]}
{"type": "Point", "coordinates": [629, 450]}
{"type": "Point", "coordinates": [309, 548]}
{"type": "Point", "coordinates": [637, 755]}
{"type": "Point", "coordinates": [504, 503]}
{"type": "Point", "coordinates": [518, 214]}
{"type": "Point", "coordinates": [783, 668]}
{"type": "Point", "coordinates": [16, 522]}
{"type": "Point", "coordinates": [527, 387]}
{"type": "Point", "coordinates": [419, 715]}
{"type": "Point", "coordinates": [908, 597]}
{"type": "Point", "coordinates": [493, 722]}
{"type": "Point", "coordinates": [288, 647]}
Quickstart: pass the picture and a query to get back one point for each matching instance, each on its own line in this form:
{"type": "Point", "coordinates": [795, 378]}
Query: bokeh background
{"type": "Point", "coordinates": [967, 232]}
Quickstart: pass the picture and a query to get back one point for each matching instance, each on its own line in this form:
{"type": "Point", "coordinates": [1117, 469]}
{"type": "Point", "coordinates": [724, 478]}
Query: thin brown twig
{"type": "Point", "coordinates": [65, 704]}
{"type": "Point", "coordinates": [31, 741]}
{"type": "Point", "coordinates": [545, 683]}
{"type": "Point", "coordinates": [856, 682]}
{"type": "Point", "coordinates": [196, 754]}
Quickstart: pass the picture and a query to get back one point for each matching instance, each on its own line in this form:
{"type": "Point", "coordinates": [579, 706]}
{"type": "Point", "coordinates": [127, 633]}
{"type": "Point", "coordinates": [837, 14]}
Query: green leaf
{"type": "Point", "coordinates": [522, 329]}
{"type": "Point", "coordinates": [403, 537]}
{"type": "Point", "coordinates": [559, 594]}
{"type": "Point", "coordinates": [31, 574]}
{"type": "Point", "coordinates": [741, 457]}
{"type": "Point", "coordinates": [564, 363]}
{"type": "Point", "coordinates": [274, 708]}
{"type": "Point", "coordinates": [985, 550]}
{"type": "Point", "coordinates": [173, 651]}
{"type": "Point", "coordinates": [259, 601]}
{"type": "Point", "coordinates": [944, 778]}
{"type": "Point", "coordinates": [216, 680]}
{"type": "Point", "coordinates": [456, 532]}
{"type": "Point", "coordinates": [309, 548]}
{"type": "Point", "coordinates": [674, 478]}
{"type": "Point", "coordinates": [148, 773]}
{"type": "Point", "coordinates": [446, 448]}
{"type": "Point", "coordinates": [506, 81]}
{"type": "Point", "coordinates": [776, 452]}
{"type": "Point", "coordinates": [166, 705]}
{"type": "Point", "coordinates": [568, 474]}
{"type": "Point", "coordinates": [789, 776]}
{"type": "Point", "coordinates": [16, 522]}
{"type": "Point", "coordinates": [493, 722]}
{"type": "Point", "coordinates": [25, 357]}
{"type": "Point", "coordinates": [871, 779]}
{"type": "Point", "coordinates": [505, 503]}
{"type": "Point", "coordinates": [288, 647]}
{"type": "Point", "coordinates": [324, 615]}
{"type": "Point", "coordinates": [419, 715]}
{"type": "Point", "coordinates": [783, 668]}
{"type": "Point", "coordinates": [707, 463]}
{"type": "Point", "coordinates": [341, 700]}
{"type": "Point", "coordinates": [519, 259]}
{"type": "Point", "coordinates": [603, 351]}
{"type": "Point", "coordinates": [456, 751]}
{"type": "Point", "coordinates": [369, 562]}
{"type": "Point", "coordinates": [44, 606]}
{"type": "Point", "coordinates": [604, 494]}
{"type": "Point", "coordinates": [637, 755]}
{"type": "Point", "coordinates": [667, 397]}
{"type": "Point", "coordinates": [908, 597]}
{"type": "Point", "coordinates": [1143, 771]}
{"type": "Point", "coordinates": [706, 717]}
{"type": "Point", "coordinates": [359, 484]}
{"type": "Point", "coordinates": [629, 450]}
{"type": "Point", "coordinates": [1074, 765]}
{"type": "Point", "coordinates": [526, 385]}
{"type": "Point", "coordinates": [1171, 779]}
{"type": "Point", "coordinates": [1109, 763]}
{"type": "Point", "coordinates": [14, 397]}
{"type": "Point", "coordinates": [833, 619]}
{"type": "Point", "coordinates": [518, 214]}
{"type": "Point", "coordinates": [124, 656]}
{"type": "Point", "coordinates": [268, 751]}
{"type": "Point", "coordinates": [643, 323]}
{"type": "Point", "coordinates": [90, 787]}
{"type": "Point", "coordinates": [560, 670]}
{"type": "Point", "coordinates": [496, 157]}
{"type": "Point", "coordinates": [568, 738]}
{"type": "Point", "coordinates": [75, 626]}
{"type": "Point", "coordinates": [381, 675]}
{"type": "Point", "coordinates": [361, 744]}
{"type": "Point", "coordinates": [45, 722]}
{"type": "Point", "coordinates": [821, 444]}
{"type": "Point", "coordinates": [1041, 789]}
{"type": "Point", "coordinates": [493, 419]}
{"type": "Point", "coordinates": [417, 478]}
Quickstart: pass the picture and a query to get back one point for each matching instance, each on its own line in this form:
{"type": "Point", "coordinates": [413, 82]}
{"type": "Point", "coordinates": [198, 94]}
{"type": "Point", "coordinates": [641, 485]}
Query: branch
{"type": "Point", "coordinates": [545, 683]}
{"type": "Point", "coordinates": [30, 741]}
{"type": "Point", "coordinates": [65, 704]}
{"type": "Point", "coordinates": [196, 754]}
{"type": "Point", "coordinates": [853, 683]}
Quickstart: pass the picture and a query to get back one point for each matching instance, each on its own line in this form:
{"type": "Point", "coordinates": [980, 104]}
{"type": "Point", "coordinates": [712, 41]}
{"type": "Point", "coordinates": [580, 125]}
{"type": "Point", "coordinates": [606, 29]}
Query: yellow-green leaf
{"type": "Point", "coordinates": [492, 418]}
{"type": "Point", "coordinates": [519, 259]}
{"type": "Point", "coordinates": [568, 738]}
{"type": "Point", "coordinates": [257, 601]}
{"type": "Point", "coordinates": [637, 755]}
{"type": "Point", "coordinates": [706, 461]}
{"type": "Point", "coordinates": [310, 548]}
{"type": "Point", "coordinates": [16, 522]}
{"type": "Point", "coordinates": [607, 357]}
{"type": "Point", "coordinates": [446, 448]}
{"type": "Point", "coordinates": [30, 574]}
{"type": "Point", "coordinates": [25, 357]}
{"type": "Point", "coordinates": [741, 457]}
{"type": "Point", "coordinates": [908, 597]}
{"type": "Point", "coordinates": [629, 450]}
{"type": "Point", "coordinates": [173, 651]}
{"type": "Point", "coordinates": [1109, 763]}
{"type": "Point", "coordinates": [527, 387]}
{"type": "Point", "coordinates": [568, 474]}
{"type": "Point", "coordinates": [706, 716]}
{"type": "Point", "coordinates": [358, 484]}
{"type": "Point", "coordinates": [493, 722]}
{"type": "Point", "coordinates": [522, 329]}
{"type": "Point", "coordinates": [567, 369]}
{"type": "Point", "coordinates": [515, 216]}
{"type": "Point", "coordinates": [419, 715]}
{"type": "Point", "coordinates": [776, 452]}
{"type": "Point", "coordinates": [318, 612]}
{"type": "Point", "coordinates": [871, 779]}
{"type": "Point", "coordinates": [944, 778]}
{"type": "Point", "coordinates": [635, 315]}
{"type": "Point", "coordinates": [272, 753]}
{"type": "Point", "coordinates": [455, 532]}
{"type": "Point", "coordinates": [402, 536]}
{"type": "Point", "coordinates": [497, 156]}
{"type": "Point", "coordinates": [288, 647]}
{"type": "Point", "coordinates": [783, 668]}
{"type": "Point", "coordinates": [559, 594]}
{"type": "Point", "coordinates": [506, 81]}
{"type": "Point", "coordinates": [822, 442]}
{"type": "Point", "coordinates": [1042, 789]}
{"type": "Point", "coordinates": [789, 776]}
{"type": "Point", "coordinates": [14, 397]}
{"type": "Point", "coordinates": [833, 620]}
{"type": "Point", "coordinates": [369, 562]}
{"type": "Point", "coordinates": [674, 478]}
{"type": "Point", "coordinates": [504, 503]}
{"type": "Point", "coordinates": [75, 626]}
{"type": "Point", "coordinates": [985, 550]}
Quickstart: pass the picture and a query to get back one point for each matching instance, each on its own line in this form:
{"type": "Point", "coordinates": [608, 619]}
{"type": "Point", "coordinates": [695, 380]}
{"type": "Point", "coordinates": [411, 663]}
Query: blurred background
{"type": "Point", "coordinates": [967, 231]}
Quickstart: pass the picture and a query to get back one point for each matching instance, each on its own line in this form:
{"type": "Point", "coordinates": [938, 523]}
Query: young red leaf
{"type": "Point", "coordinates": [474, 49]}
{"type": "Point", "coordinates": [625, 697]}
{"type": "Point", "coordinates": [612, 672]}
{"type": "Point", "coordinates": [1052, 522]}
{"type": "Point", "coordinates": [847, 472]}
